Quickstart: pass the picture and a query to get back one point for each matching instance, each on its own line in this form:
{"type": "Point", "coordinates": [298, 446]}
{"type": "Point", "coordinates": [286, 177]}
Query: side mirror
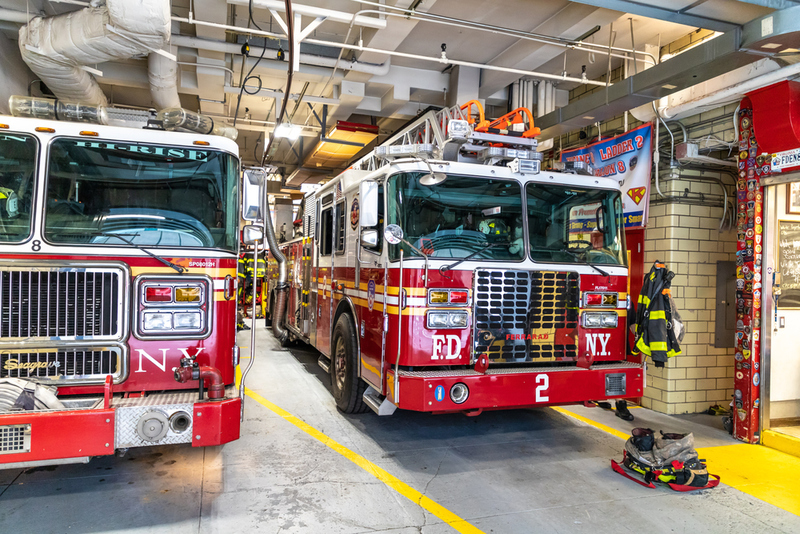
{"type": "Point", "coordinates": [393, 234]}
{"type": "Point", "coordinates": [252, 234]}
{"type": "Point", "coordinates": [599, 216]}
{"type": "Point", "coordinates": [369, 238]}
{"type": "Point", "coordinates": [368, 191]}
{"type": "Point", "coordinates": [252, 192]}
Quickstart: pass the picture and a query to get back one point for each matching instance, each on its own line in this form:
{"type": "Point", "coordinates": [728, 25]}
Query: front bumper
{"type": "Point", "coordinates": [36, 438]}
{"type": "Point", "coordinates": [428, 391]}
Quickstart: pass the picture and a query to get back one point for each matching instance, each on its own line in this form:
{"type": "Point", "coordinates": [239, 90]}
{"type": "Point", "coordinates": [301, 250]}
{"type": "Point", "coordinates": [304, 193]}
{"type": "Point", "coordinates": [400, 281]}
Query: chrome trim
{"type": "Point", "coordinates": [448, 304]}
{"type": "Point", "coordinates": [586, 312]}
{"type": "Point", "coordinates": [608, 306]}
{"type": "Point", "coordinates": [122, 270]}
{"type": "Point", "coordinates": [123, 363]}
{"type": "Point", "coordinates": [465, 313]}
{"type": "Point", "coordinates": [138, 284]}
{"type": "Point", "coordinates": [184, 282]}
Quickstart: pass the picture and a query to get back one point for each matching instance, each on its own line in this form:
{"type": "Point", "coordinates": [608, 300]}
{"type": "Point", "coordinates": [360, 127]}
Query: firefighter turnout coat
{"type": "Point", "coordinates": [654, 333]}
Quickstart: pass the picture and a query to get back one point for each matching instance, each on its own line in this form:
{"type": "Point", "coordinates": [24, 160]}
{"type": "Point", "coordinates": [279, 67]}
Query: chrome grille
{"type": "Point", "coordinates": [63, 364]}
{"type": "Point", "coordinates": [61, 302]}
{"type": "Point", "coordinates": [524, 316]}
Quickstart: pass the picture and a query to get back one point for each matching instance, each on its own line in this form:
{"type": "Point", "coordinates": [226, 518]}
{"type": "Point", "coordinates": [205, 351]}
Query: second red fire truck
{"type": "Point", "coordinates": [117, 283]}
{"type": "Point", "coordinates": [445, 272]}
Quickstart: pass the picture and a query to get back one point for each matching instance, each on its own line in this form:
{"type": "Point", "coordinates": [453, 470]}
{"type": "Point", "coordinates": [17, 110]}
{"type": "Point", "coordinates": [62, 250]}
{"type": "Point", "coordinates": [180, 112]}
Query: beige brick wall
{"type": "Point", "coordinates": [685, 234]}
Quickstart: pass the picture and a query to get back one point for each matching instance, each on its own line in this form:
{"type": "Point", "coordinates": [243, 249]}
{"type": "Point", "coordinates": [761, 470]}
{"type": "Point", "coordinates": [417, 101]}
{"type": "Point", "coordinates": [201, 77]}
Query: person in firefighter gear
{"type": "Point", "coordinates": [655, 332]}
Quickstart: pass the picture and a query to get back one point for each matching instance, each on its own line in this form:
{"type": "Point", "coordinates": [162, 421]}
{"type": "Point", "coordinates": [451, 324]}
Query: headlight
{"type": "Point", "coordinates": [188, 320]}
{"type": "Point", "coordinates": [437, 319]}
{"type": "Point", "coordinates": [171, 306]}
{"type": "Point", "coordinates": [457, 319]}
{"type": "Point", "coordinates": [447, 319]}
{"type": "Point", "coordinates": [157, 321]}
{"type": "Point", "coordinates": [600, 320]}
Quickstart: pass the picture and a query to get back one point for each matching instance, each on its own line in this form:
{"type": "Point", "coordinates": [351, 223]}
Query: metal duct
{"type": "Point", "coordinates": [758, 38]}
{"type": "Point", "coordinates": [163, 75]}
{"type": "Point", "coordinates": [58, 48]}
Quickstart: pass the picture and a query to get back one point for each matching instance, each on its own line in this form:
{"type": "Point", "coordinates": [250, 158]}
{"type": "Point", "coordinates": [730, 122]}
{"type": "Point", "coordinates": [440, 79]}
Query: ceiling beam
{"type": "Point", "coordinates": [662, 13]}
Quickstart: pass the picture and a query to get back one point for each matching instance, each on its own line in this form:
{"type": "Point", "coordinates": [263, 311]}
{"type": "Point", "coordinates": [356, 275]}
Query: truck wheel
{"type": "Point", "coordinates": [348, 388]}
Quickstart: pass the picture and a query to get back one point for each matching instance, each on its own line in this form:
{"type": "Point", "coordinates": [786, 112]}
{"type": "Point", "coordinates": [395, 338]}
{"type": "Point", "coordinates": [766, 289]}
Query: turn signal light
{"type": "Point", "coordinates": [606, 300]}
{"type": "Point", "coordinates": [438, 297]}
{"type": "Point", "coordinates": [187, 294]}
{"type": "Point", "coordinates": [158, 294]}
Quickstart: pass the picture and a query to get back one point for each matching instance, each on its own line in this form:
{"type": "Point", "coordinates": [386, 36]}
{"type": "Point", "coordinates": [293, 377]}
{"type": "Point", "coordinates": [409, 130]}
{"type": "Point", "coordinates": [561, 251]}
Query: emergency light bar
{"type": "Point", "coordinates": [399, 151]}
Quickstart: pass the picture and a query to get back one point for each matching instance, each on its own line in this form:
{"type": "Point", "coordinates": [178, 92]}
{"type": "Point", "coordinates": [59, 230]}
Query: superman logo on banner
{"type": "Point", "coordinates": [637, 194]}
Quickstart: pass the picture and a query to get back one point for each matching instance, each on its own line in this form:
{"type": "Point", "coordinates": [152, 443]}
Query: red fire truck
{"type": "Point", "coordinates": [117, 285]}
{"type": "Point", "coordinates": [444, 272]}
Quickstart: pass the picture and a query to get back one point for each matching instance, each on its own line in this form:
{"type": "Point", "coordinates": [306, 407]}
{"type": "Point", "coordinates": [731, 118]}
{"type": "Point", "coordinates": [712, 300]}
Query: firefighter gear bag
{"type": "Point", "coordinates": [669, 458]}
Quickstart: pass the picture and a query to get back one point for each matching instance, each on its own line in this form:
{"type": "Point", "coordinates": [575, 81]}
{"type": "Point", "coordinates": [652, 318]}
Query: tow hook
{"type": "Point", "coordinates": [191, 370]}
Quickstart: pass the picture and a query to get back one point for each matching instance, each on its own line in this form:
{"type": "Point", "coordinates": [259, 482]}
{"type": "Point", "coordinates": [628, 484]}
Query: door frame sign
{"type": "Point", "coordinates": [627, 158]}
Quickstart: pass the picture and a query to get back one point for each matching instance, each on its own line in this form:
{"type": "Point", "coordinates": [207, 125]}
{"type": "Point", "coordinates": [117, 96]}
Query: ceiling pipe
{"type": "Point", "coordinates": [713, 58]}
{"type": "Point", "coordinates": [11, 15]}
{"type": "Point", "coordinates": [734, 92]}
{"type": "Point", "coordinates": [308, 59]}
{"type": "Point", "coordinates": [58, 49]}
{"type": "Point", "coordinates": [433, 59]}
{"type": "Point", "coordinates": [499, 30]}
{"type": "Point", "coordinates": [329, 14]}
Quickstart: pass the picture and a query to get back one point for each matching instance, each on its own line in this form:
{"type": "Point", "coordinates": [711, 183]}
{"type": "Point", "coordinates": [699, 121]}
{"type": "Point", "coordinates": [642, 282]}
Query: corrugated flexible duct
{"type": "Point", "coordinates": [55, 48]}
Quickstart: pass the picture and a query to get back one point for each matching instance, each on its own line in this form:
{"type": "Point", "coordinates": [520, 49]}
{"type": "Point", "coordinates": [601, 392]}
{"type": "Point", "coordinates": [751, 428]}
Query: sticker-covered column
{"type": "Point", "coordinates": [749, 256]}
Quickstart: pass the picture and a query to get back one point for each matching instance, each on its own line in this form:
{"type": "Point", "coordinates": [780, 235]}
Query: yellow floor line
{"type": "Point", "coordinates": [764, 473]}
{"type": "Point", "coordinates": [601, 426]}
{"type": "Point", "coordinates": [459, 524]}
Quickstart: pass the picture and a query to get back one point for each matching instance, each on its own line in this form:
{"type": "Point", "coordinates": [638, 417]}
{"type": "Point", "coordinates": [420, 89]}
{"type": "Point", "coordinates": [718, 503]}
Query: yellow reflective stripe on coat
{"type": "Point", "coordinates": [658, 345]}
{"type": "Point", "coordinates": [658, 314]}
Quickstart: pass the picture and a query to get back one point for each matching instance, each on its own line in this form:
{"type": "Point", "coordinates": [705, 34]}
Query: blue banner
{"type": "Point", "coordinates": [627, 158]}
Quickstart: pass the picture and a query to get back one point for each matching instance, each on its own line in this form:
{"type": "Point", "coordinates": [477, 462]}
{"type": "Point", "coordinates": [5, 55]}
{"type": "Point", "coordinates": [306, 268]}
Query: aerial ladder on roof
{"type": "Point", "coordinates": [462, 133]}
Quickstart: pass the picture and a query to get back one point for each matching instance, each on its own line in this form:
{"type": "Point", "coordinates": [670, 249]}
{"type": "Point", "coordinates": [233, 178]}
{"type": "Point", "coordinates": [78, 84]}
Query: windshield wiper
{"type": "Point", "coordinates": [443, 269]}
{"type": "Point", "coordinates": [131, 243]}
{"type": "Point", "coordinates": [585, 262]}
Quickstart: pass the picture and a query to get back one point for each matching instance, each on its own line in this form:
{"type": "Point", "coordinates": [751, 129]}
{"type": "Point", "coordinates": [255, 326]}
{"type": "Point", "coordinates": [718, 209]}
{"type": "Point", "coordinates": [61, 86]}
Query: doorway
{"type": "Point", "coordinates": [780, 389]}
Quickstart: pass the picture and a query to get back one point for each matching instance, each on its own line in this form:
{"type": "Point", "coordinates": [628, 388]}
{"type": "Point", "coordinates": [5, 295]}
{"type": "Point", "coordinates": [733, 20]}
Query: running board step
{"type": "Point", "coordinates": [325, 363]}
{"type": "Point", "coordinates": [377, 403]}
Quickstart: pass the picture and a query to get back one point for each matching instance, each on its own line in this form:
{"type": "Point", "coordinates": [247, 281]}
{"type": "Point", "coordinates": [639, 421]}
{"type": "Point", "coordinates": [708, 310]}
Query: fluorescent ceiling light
{"type": "Point", "coordinates": [289, 131]}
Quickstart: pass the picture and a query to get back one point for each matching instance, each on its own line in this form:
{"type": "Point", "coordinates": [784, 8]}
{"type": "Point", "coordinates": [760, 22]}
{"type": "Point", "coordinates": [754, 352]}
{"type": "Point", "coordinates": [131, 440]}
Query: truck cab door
{"type": "Point", "coordinates": [371, 280]}
{"type": "Point", "coordinates": [324, 278]}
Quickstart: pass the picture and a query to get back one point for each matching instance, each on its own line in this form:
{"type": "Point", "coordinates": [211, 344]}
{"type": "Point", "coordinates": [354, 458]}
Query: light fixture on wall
{"type": "Point", "coordinates": [288, 131]}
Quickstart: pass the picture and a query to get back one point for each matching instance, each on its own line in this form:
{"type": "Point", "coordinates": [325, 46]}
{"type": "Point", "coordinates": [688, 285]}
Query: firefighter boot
{"type": "Point", "coordinates": [623, 412]}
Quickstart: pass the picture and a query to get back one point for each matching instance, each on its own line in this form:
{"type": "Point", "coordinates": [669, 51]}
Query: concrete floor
{"type": "Point", "coordinates": [503, 472]}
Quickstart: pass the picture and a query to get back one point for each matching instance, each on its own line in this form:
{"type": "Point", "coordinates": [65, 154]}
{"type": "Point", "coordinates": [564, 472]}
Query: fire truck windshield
{"type": "Point", "coordinates": [17, 170]}
{"type": "Point", "coordinates": [457, 217]}
{"type": "Point", "coordinates": [575, 225]}
{"type": "Point", "coordinates": [152, 195]}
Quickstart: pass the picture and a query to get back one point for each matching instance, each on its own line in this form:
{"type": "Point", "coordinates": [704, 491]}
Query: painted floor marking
{"type": "Point", "coordinates": [459, 524]}
{"type": "Point", "coordinates": [767, 474]}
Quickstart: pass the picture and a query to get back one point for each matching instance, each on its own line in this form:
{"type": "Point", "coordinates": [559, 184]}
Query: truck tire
{"type": "Point", "coordinates": [348, 388]}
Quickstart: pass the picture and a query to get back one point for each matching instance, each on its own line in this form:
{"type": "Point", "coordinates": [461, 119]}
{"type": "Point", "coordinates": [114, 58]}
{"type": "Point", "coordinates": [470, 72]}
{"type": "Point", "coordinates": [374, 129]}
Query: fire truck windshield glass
{"type": "Point", "coordinates": [151, 195]}
{"type": "Point", "coordinates": [458, 217]}
{"type": "Point", "coordinates": [17, 169]}
{"type": "Point", "coordinates": [575, 225]}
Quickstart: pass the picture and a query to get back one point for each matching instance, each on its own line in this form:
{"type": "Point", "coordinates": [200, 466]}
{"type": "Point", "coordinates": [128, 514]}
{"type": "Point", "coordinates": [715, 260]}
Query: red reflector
{"type": "Point", "coordinates": [158, 294]}
{"type": "Point", "coordinates": [594, 299]}
{"type": "Point", "coordinates": [458, 297]}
